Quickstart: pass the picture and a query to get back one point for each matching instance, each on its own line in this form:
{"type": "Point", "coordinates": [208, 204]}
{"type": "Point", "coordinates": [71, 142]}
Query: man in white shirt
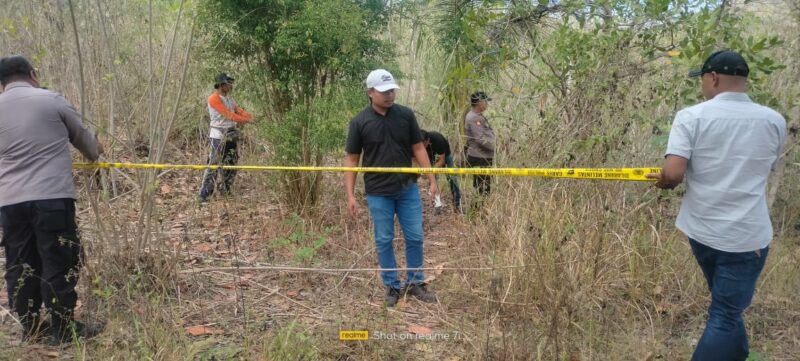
{"type": "Point", "coordinates": [724, 148]}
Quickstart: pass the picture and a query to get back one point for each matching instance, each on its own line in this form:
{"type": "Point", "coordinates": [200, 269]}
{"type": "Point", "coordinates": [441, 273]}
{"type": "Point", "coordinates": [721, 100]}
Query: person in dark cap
{"type": "Point", "coordinates": [441, 156]}
{"type": "Point", "coordinates": [37, 197]}
{"type": "Point", "coordinates": [724, 148]}
{"type": "Point", "coordinates": [480, 140]}
{"type": "Point", "coordinates": [226, 118]}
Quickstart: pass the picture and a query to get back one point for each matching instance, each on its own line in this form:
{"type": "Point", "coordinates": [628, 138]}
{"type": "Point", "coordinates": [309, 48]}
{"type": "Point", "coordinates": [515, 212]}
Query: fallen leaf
{"type": "Point", "coordinates": [649, 356]}
{"type": "Point", "coordinates": [203, 330]}
{"type": "Point", "coordinates": [201, 247]}
{"type": "Point", "coordinates": [401, 304]}
{"type": "Point", "coordinates": [166, 189]}
{"type": "Point", "coordinates": [673, 53]}
{"type": "Point", "coordinates": [430, 278]}
{"type": "Point", "coordinates": [419, 330]}
{"type": "Point", "coordinates": [658, 290]}
{"type": "Point", "coordinates": [48, 353]}
{"type": "Point", "coordinates": [139, 310]}
{"type": "Point", "coordinates": [440, 244]}
{"type": "Point", "coordinates": [292, 293]}
{"type": "Point", "coordinates": [233, 286]}
{"type": "Point", "coordinates": [423, 347]}
{"type": "Point", "coordinates": [439, 268]}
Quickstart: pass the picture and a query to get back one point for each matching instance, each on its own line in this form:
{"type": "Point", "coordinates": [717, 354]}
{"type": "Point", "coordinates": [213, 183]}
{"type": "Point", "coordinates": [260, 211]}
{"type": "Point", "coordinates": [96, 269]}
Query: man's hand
{"type": "Point", "coordinates": [421, 156]}
{"type": "Point", "coordinates": [434, 185]}
{"type": "Point", "coordinates": [352, 207]}
{"type": "Point", "coordinates": [672, 173]}
{"type": "Point", "coordinates": [440, 161]}
{"type": "Point", "coordinates": [351, 160]}
{"type": "Point", "coordinates": [659, 181]}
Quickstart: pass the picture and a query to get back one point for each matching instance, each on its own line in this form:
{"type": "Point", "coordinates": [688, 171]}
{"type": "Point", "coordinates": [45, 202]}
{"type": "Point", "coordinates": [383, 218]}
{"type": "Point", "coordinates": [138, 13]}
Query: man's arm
{"type": "Point", "coordinates": [679, 150]}
{"type": "Point", "coordinates": [80, 137]}
{"type": "Point", "coordinates": [215, 102]}
{"type": "Point", "coordinates": [243, 113]}
{"type": "Point", "coordinates": [351, 160]}
{"type": "Point", "coordinates": [439, 161]}
{"type": "Point", "coordinates": [486, 137]}
{"type": "Point", "coordinates": [421, 155]}
{"type": "Point", "coordinates": [469, 130]}
{"type": "Point", "coordinates": [476, 134]}
{"type": "Point", "coordinates": [781, 142]}
{"type": "Point", "coordinates": [672, 173]}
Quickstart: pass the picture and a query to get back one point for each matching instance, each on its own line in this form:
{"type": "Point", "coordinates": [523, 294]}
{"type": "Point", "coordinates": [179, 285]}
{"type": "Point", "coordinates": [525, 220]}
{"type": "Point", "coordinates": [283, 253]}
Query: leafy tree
{"type": "Point", "coordinates": [607, 60]}
{"type": "Point", "coordinates": [476, 49]}
{"type": "Point", "coordinates": [304, 62]}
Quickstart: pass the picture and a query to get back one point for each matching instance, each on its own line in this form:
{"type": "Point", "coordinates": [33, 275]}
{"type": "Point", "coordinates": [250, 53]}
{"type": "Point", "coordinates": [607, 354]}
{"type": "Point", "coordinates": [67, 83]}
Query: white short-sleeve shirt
{"type": "Point", "coordinates": [732, 144]}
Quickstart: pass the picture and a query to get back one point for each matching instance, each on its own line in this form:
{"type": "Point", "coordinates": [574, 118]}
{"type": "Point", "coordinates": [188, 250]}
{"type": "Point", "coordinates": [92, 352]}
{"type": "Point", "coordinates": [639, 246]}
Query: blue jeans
{"type": "Point", "coordinates": [407, 205]}
{"type": "Point", "coordinates": [453, 180]}
{"type": "Point", "coordinates": [732, 280]}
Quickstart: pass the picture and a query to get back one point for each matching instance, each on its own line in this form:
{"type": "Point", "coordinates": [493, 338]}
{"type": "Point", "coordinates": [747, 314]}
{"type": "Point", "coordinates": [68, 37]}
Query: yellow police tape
{"type": "Point", "coordinates": [627, 174]}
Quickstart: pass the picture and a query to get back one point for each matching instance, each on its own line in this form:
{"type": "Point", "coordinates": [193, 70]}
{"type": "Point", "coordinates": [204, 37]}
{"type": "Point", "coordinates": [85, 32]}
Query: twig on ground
{"type": "Point", "coordinates": [345, 270]}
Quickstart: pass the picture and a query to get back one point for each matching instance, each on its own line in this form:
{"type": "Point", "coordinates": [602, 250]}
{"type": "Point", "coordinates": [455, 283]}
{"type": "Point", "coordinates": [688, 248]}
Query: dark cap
{"type": "Point", "coordinates": [723, 62]}
{"type": "Point", "coordinates": [477, 97]}
{"type": "Point", "coordinates": [223, 79]}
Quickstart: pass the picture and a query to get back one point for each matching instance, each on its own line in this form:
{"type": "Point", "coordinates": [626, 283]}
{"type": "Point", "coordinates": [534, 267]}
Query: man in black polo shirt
{"type": "Point", "coordinates": [440, 156]}
{"type": "Point", "coordinates": [388, 135]}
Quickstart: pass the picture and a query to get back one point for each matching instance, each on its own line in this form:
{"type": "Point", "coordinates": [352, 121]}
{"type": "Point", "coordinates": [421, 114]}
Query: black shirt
{"type": "Point", "coordinates": [439, 145]}
{"type": "Point", "coordinates": [385, 141]}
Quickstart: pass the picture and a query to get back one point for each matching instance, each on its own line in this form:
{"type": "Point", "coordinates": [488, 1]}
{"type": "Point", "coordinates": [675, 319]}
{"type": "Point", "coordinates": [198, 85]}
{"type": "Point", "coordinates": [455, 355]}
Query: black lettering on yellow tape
{"type": "Point", "coordinates": [631, 174]}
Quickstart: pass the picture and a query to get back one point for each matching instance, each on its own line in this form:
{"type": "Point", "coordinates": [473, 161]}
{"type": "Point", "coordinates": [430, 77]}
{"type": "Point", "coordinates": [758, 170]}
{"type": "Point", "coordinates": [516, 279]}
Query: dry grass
{"type": "Point", "coordinates": [606, 276]}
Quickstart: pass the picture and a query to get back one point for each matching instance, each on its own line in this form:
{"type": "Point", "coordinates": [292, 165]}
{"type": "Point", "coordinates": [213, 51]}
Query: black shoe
{"type": "Point", "coordinates": [420, 291]}
{"type": "Point", "coordinates": [74, 330]}
{"type": "Point", "coordinates": [392, 296]}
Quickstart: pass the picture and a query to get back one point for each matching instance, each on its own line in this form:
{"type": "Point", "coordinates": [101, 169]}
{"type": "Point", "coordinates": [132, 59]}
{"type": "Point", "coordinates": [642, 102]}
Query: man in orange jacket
{"type": "Point", "coordinates": [226, 117]}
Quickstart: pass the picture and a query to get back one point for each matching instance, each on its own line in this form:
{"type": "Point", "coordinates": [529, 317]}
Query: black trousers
{"type": "Point", "coordinates": [223, 152]}
{"type": "Point", "coordinates": [43, 252]}
{"type": "Point", "coordinates": [483, 183]}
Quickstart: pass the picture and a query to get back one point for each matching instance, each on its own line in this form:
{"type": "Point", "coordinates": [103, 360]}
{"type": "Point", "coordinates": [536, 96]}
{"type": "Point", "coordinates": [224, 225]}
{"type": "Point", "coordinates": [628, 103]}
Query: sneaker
{"type": "Point", "coordinates": [420, 291]}
{"type": "Point", "coordinates": [75, 329]}
{"type": "Point", "coordinates": [392, 296]}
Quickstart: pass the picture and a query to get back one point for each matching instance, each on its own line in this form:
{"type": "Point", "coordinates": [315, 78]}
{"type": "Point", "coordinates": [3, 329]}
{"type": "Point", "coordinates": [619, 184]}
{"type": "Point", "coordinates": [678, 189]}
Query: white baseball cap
{"type": "Point", "coordinates": [381, 80]}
